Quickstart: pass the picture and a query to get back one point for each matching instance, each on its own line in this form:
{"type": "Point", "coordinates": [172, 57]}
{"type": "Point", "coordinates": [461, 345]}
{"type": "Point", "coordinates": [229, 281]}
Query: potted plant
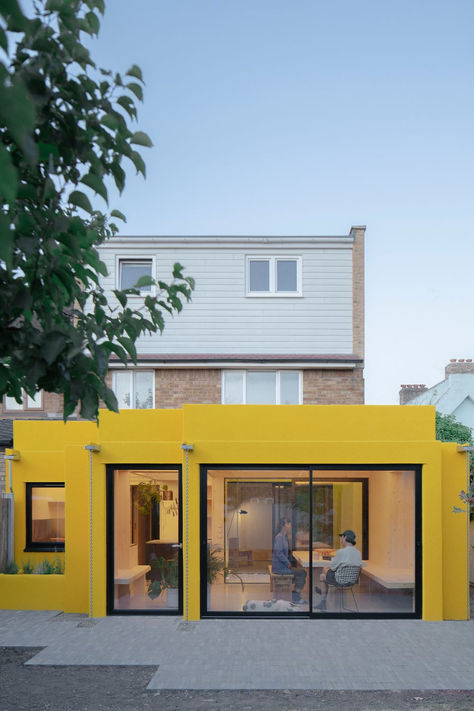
{"type": "Point", "coordinates": [148, 494]}
{"type": "Point", "coordinates": [168, 570]}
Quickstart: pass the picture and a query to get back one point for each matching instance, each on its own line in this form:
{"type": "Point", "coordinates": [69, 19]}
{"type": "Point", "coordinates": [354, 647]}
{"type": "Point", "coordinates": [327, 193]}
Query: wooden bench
{"type": "Point", "coordinates": [390, 578]}
{"type": "Point", "coordinates": [131, 580]}
{"type": "Point", "coordinates": [280, 584]}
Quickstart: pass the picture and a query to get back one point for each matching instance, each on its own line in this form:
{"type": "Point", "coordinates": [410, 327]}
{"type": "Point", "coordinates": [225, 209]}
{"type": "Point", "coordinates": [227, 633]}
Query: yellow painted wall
{"type": "Point", "coordinates": [52, 451]}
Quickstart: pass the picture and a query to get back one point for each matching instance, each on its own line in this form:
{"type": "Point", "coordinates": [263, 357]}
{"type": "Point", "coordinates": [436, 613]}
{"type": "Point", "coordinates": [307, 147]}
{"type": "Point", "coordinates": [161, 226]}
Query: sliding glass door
{"type": "Point", "coordinates": [256, 550]}
{"type": "Point", "coordinates": [271, 541]}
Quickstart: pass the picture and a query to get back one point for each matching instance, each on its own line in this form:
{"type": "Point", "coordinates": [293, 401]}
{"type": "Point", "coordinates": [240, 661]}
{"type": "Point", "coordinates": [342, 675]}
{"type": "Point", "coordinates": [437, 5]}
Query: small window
{"type": "Point", "coordinates": [45, 517]}
{"type": "Point", "coordinates": [261, 387]}
{"type": "Point", "coordinates": [274, 276]}
{"type": "Point", "coordinates": [130, 271]}
{"type": "Point", "coordinates": [29, 402]}
{"type": "Point", "coordinates": [134, 389]}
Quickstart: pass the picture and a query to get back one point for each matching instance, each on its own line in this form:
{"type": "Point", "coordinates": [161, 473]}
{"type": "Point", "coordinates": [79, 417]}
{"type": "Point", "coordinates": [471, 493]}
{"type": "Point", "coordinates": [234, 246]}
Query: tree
{"type": "Point", "coordinates": [448, 429]}
{"type": "Point", "coordinates": [64, 137]}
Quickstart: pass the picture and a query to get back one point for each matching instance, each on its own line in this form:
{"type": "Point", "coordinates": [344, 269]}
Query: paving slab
{"type": "Point", "coordinates": [255, 654]}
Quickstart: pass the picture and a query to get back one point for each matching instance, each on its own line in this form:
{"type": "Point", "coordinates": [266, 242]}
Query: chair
{"type": "Point", "coordinates": [346, 577]}
{"type": "Point", "coordinates": [281, 584]}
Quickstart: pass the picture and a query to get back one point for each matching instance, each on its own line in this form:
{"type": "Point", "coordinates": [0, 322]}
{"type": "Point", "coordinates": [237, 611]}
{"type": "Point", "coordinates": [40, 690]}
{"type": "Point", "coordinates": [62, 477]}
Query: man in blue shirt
{"type": "Point", "coordinates": [284, 563]}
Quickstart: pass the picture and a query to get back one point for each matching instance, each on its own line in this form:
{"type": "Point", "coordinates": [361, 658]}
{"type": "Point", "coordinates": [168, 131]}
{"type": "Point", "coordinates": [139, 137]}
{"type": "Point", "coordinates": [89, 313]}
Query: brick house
{"type": "Point", "coordinates": [273, 320]}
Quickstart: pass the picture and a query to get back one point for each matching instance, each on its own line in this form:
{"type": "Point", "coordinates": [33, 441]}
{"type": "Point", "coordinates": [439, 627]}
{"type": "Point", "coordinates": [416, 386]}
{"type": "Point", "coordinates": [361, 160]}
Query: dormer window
{"type": "Point", "coordinates": [274, 276]}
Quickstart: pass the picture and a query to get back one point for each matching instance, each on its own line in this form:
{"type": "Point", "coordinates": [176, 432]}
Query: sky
{"type": "Point", "coordinates": [305, 117]}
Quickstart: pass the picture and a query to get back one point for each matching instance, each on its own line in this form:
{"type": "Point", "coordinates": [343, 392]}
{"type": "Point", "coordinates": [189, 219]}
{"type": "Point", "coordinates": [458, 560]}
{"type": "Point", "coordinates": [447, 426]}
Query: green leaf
{"type": "Point", "coordinates": [81, 200]}
{"type": "Point", "coordinates": [136, 89]}
{"type": "Point", "coordinates": [93, 22]}
{"type": "Point", "coordinates": [17, 113]}
{"type": "Point", "coordinates": [53, 346]}
{"type": "Point", "coordinates": [135, 71]}
{"type": "Point", "coordinates": [119, 175]}
{"type": "Point", "coordinates": [8, 176]}
{"type": "Point", "coordinates": [6, 240]}
{"type": "Point", "coordinates": [95, 183]}
{"type": "Point", "coordinates": [118, 214]}
{"type": "Point", "coordinates": [121, 297]}
{"type": "Point", "coordinates": [110, 400]}
{"type": "Point", "coordinates": [139, 163]}
{"type": "Point", "coordinates": [3, 41]}
{"type": "Point", "coordinates": [141, 139]}
{"type": "Point", "coordinates": [46, 150]}
{"type": "Point", "coordinates": [129, 346]}
{"type": "Point", "coordinates": [144, 281]}
{"type": "Point", "coordinates": [126, 102]}
{"type": "Point", "coordinates": [110, 121]}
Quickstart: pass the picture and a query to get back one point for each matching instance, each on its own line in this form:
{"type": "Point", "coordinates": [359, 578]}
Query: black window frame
{"type": "Point", "coordinates": [317, 472]}
{"type": "Point", "coordinates": [32, 546]}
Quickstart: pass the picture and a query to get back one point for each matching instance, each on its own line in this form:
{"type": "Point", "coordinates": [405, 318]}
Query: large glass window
{"type": "Point", "coordinates": [370, 570]}
{"type": "Point", "coordinates": [255, 519]}
{"type": "Point", "coordinates": [146, 540]}
{"type": "Point", "coordinates": [261, 387]}
{"type": "Point", "coordinates": [134, 389]}
{"type": "Point", "coordinates": [45, 517]}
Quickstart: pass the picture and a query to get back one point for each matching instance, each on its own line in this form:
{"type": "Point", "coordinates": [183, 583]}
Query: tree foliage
{"type": "Point", "coordinates": [448, 429]}
{"type": "Point", "coordinates": [65, 139]}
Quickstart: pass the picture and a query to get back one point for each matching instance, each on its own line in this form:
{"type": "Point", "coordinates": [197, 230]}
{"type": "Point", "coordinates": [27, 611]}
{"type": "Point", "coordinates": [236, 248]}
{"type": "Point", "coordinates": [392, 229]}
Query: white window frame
{"type": "Point", "coordinates": [136, 258]}
{"type": "Point", "coordinates": [25, 407]}
{"type": "Point", "coordinates": [131, 373]}
{"type": "Point", "coordinates": [272, 291]}
{"type": "Point", "coordinates": [260, 370]}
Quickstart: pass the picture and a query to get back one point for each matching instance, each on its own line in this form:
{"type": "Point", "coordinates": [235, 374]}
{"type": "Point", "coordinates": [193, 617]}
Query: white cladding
{"type": "Point", "coordinates": [221, 319]}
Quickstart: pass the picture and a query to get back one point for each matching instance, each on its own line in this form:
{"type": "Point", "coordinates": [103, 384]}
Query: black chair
{"type": "Point", "coordinates": [346, 577]}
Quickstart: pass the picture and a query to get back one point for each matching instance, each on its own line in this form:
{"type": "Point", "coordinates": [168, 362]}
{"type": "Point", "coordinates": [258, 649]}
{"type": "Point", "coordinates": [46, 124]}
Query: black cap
{"type": "Point", "coordinates": [349, 535]}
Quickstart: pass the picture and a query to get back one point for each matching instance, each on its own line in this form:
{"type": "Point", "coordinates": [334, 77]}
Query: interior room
{"type": "Point", "coordinates": [244, 508]}
{"type": "Point", "coordinates": [146, 539]}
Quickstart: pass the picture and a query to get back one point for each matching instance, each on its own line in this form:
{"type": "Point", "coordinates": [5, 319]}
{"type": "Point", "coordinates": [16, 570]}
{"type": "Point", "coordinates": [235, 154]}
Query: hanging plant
{"type": "Point", "coordinates": [149, 493]}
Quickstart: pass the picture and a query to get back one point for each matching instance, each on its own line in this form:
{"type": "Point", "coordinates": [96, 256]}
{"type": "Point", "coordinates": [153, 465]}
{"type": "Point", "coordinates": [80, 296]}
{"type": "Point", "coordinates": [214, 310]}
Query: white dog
{"type": "Point", "coordinates": [270, 606]}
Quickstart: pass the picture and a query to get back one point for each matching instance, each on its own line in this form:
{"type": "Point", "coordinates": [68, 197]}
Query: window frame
{"type": "Point", "coordinates": [259, 370]}
{"type": "Point", "coordinates": [131, 374]}
{"type": "Point", "coordinates": [24, 407]}
{"type": "Point", "coordinates": [32, 546]}
{"type": "Point", "coordinates": [272, 291]}
{"type": "Point", "coordinates": [120, 258]}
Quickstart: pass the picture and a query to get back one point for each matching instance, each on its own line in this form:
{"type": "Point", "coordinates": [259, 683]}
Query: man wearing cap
{"type": "Point", "coordinates": [347, 555]}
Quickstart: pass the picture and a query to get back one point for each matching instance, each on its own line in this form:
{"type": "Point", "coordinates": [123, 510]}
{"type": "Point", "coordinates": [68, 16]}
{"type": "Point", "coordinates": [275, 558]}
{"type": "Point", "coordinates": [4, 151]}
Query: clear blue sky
{"type": "Point", "coordinates": [307, 117]}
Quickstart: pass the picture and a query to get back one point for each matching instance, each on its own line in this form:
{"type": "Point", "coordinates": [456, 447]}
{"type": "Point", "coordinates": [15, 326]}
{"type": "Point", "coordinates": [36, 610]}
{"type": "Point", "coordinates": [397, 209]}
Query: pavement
{"type": "Point", "coordinates": [253, 654]}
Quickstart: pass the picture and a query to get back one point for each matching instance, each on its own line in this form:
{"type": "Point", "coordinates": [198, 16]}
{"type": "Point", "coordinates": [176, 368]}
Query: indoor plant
{"type": "Point", "coordinates": [169, 580]}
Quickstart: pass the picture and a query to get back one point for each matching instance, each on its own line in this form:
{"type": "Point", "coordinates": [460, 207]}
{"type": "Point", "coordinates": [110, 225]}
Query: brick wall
{"type": "Point", "coordinates": [333, 387]}
{"type": "Point", "coordinates": [174, 387]}
{"type": "Point", "coordinates": [408, 392]}
{"type": "Point", "coordinates": [459, 366]}
{"type": "Point", "coordinates": [358, 291]}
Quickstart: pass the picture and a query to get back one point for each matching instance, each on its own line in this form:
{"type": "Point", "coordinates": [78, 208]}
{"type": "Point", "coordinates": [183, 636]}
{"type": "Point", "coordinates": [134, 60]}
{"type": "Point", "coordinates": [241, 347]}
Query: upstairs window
{"type": "Point", "coordinates": [261, 387]}
{"type": "Point", "coordinates": [134, 389]}
{"type": "Point", "coordinates": [130, 271]}
{"type": "Point", "coordinates": [274, 276]}
{"type": "Point", "coordinates": [29, 403]}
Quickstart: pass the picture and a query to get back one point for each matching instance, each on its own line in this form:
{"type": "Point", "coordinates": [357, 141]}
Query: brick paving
{"type": "Point", "coordinates": [255, 654]}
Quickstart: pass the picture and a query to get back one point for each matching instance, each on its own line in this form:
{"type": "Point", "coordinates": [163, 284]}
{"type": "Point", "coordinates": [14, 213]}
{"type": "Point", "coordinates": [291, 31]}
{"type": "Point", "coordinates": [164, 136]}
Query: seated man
{"type": "Point", "coordinates": [284, 563]}
{"type": "Point", "coordinates": [347, 555]}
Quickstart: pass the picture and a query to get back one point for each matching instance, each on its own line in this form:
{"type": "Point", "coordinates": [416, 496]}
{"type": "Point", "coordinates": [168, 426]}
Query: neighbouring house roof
{"type": "Point", "coordinates": [6, 433]}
